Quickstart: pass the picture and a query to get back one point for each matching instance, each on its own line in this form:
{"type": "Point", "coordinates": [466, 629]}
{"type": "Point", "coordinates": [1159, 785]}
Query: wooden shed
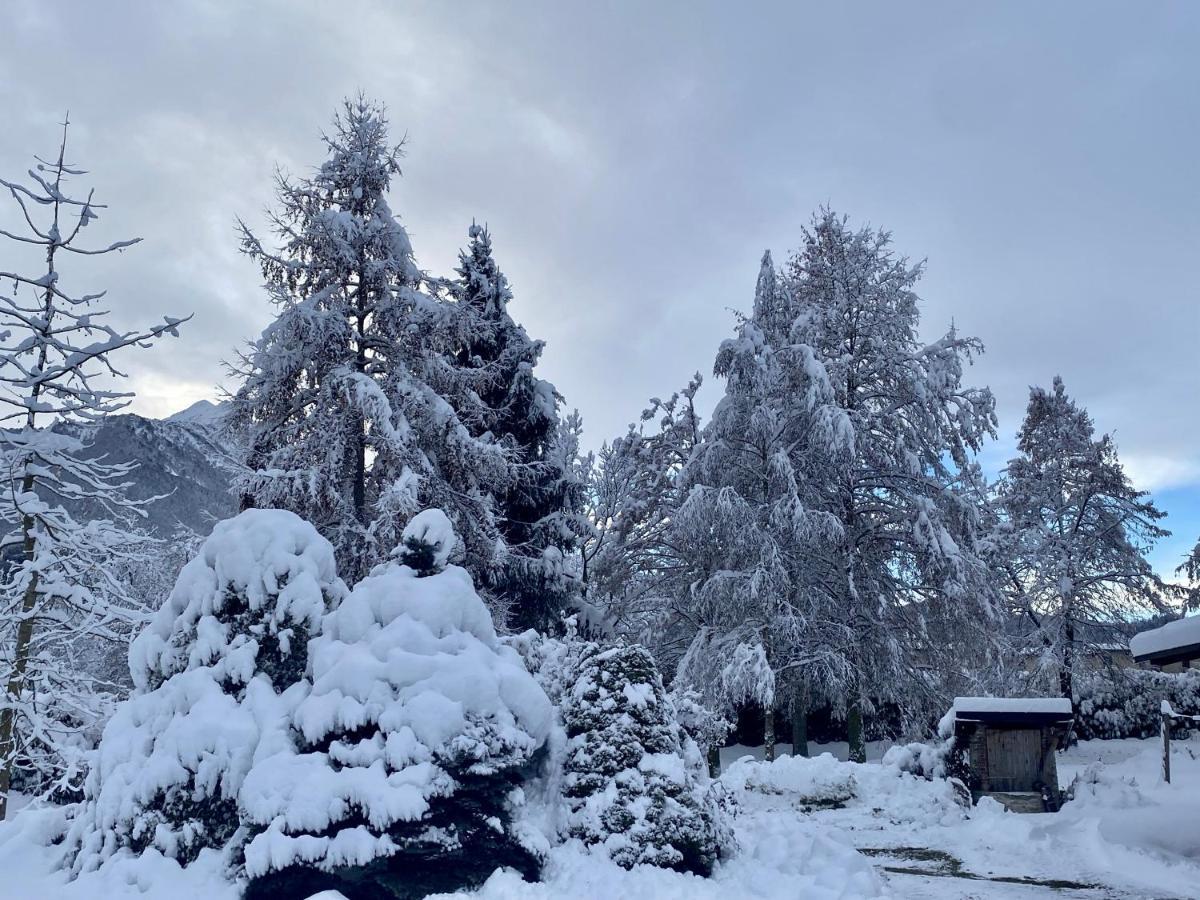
{"type": "Point", "coordinates": [1006, 747]}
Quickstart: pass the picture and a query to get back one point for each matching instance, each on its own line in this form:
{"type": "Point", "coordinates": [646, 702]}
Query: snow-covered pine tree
{"type": "Point", "coordinates": [539, 506]}
{"type": "Point", "coordinates": [413, 742]}
{"type": "Point", "coordinates": [633, 778]}
{"type": "Point", "coordinates": [58, 592]}
{"type": "Point", "coordinates": [885, 426]}
{"type": "Point", "coordinates": [337, 407]}
{"type": "Point", "coordinates": [1080, 533]}
{"type": "Point", "coordinates": [216, 675]}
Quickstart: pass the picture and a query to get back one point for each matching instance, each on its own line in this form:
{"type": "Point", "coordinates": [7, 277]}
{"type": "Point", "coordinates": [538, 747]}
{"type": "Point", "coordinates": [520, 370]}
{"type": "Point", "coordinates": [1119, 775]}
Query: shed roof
{"type": "Point", "coordinates": [1175, 640]}
{"type": "Point", "coordinates": [1026, 711]}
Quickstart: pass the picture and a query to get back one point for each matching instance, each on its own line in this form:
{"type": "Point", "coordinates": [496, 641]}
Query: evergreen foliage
{"type": "Point", "coordinates": [216, 673]}
{"type": "Point", "coordinates": [413, 744]}
{"type": "Point", "coordinates": [342, 403]}
{"type": "Point", "coordinates": [1077, 532]}
{"type": "Point", "coordinates": [632, 777]}
{"type": "Point", "coordinates": [538, 506]}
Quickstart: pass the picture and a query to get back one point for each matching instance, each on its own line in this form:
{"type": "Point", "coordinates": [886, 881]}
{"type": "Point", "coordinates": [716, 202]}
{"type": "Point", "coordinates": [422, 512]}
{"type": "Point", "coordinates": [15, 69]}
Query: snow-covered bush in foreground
{"type": "Point", "coordinates": [1097, 785]}
{"type": "Point", "coordinates": [216, 674]}
{"type": "Point", "coordinates": [414, 741]}
{"type": "Point", "coordinates": [634, 781]}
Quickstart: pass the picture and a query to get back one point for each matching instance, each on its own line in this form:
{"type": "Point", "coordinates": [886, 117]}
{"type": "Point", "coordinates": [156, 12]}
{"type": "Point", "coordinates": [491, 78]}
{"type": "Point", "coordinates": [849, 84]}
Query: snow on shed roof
{"type": "Point", "coordinates": [968, 706]}
{"type": "Point", "coordinates": [1172, 636]}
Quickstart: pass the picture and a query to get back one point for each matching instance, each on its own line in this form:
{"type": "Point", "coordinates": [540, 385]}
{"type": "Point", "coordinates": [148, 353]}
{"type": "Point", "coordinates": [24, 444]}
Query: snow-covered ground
{"type": "Point", "coordinates": [1127, 834]}
{"type": "Point", "coordinates": [812, 828]}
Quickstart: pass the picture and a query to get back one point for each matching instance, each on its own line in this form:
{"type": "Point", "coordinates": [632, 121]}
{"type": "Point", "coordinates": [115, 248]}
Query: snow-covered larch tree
{"type": "Point", "coordinates": [336, 405]}
{"type": "Point", "coordinates": [740, 532]}
{"type": "Point", "coordinates": [887, 425]}
{"type": "Point", "coordinates": [633, 490]}
{"type": "Point", "coordinates": [59, 591]}
{"type": "Point", "coordinates": [1079, 533]}
{"type": "Point", "coordinates": [538, 506]}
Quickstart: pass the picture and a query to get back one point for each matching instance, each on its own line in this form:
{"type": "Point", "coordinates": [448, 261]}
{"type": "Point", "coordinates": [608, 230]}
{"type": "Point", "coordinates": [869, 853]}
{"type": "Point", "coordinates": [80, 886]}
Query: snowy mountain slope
{"type": "Point", "coordinates": [202, 412]}
{"type": "Point", "coordinates": [182, 459]}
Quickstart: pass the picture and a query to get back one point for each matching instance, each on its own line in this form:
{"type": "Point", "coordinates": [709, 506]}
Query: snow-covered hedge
{"type": "Point", "coordinates": [1126, 702]}
{"type": "Point", "coordinates": [635, 782]}
{"type": "Point", "coordinates": [413, 743]}
{"type": "Point", "coordinates": [216, 674]}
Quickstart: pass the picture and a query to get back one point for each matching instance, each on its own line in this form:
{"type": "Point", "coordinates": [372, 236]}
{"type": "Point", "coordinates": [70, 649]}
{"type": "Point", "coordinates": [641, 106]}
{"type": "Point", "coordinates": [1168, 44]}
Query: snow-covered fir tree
{"type": "Point", "coordinates": [414, 742]}
{"type": "Point", "coordinates": [337, 406]}
{"type": "Point", "coordinates": [633, 778]}
{"type": "Point", "coordinates": [58, 595]}
{"type": "Point", "coordinates": [216, 675]}
{"type": "Point", "coordinates": [538, 507]}
{"type": "Point", "coordinates": [887, 425]}
{"type": "Point", "coordinates": [1079, 534]}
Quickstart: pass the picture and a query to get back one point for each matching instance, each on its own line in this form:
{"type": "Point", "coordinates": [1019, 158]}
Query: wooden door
{"type": "Point", "coordinates": [1014, 758]}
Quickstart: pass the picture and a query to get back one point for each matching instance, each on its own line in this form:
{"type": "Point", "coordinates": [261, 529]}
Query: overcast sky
{"type": "Point", "coordinates": [633, 161]}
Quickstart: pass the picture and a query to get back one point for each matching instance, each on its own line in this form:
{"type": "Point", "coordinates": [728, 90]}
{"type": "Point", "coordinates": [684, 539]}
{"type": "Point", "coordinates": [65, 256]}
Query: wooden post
{"type": "Point", "coordinates": [1166, 741]}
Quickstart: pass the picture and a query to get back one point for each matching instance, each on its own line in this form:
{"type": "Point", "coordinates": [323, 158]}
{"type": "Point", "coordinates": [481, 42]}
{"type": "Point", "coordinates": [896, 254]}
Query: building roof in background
{"type": "Point", "coordinates": [1168, 643]}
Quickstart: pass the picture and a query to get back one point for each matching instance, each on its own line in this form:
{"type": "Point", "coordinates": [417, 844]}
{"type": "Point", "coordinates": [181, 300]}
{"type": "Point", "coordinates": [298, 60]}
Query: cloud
{"type": "Point", "coordinates": [633, 165]}
{"type": "Point", "coordinates": [1153, 473]}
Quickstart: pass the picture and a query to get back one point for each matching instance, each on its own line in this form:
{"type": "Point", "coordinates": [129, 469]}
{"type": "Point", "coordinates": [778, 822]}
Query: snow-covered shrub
{"type": "Point", "coordinates": [554, 661]}
{"type": "Point", "coordinates": [706, 726]}
{"type": "Point", "coordinates": [634, 781]}
{"type": "Point", "coordinates": [925, 760]}
{"type": "Point", "coordinates": [216, 673]}
{"type": "Point", "coordinates": [820, 782]}
{"type": "Point", "coordinates": [1096, 785]}
{"type": "Point", "coordinates": [414, 742]}
{"type": "Point", "coordinates": [1126, 703]}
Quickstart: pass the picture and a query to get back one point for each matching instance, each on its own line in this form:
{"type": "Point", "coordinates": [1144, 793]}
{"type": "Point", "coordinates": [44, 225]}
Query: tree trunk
{"type": "Point", "coordinates": [854, 732]}
{"type": "Point", "coordinates": [24, 635]}
{"type": "Point", "coordinates": [16, 681]}
{"type": "Point", "coordinates": [1065, 673]}
{"type": "Point", "coordinates": [360, 445]}
{"type": "Point", "coordinates": [769, 732]}
{"type": "Point", "coordinates": [714, 761]}
{"type": "Point", "coordinates": [800, 720]}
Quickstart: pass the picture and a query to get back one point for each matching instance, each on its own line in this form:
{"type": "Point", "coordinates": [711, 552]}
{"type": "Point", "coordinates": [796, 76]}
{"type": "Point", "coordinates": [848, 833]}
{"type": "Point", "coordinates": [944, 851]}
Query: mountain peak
{"type": "Point", "coordinates": [202, 412]}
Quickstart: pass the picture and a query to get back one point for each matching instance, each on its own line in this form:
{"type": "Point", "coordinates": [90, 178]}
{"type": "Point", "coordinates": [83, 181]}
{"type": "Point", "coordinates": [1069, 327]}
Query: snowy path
{"type": "Point", "coordinates": [1128, 836]}
{"type": "Point", "coordinates": [924, 887]}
